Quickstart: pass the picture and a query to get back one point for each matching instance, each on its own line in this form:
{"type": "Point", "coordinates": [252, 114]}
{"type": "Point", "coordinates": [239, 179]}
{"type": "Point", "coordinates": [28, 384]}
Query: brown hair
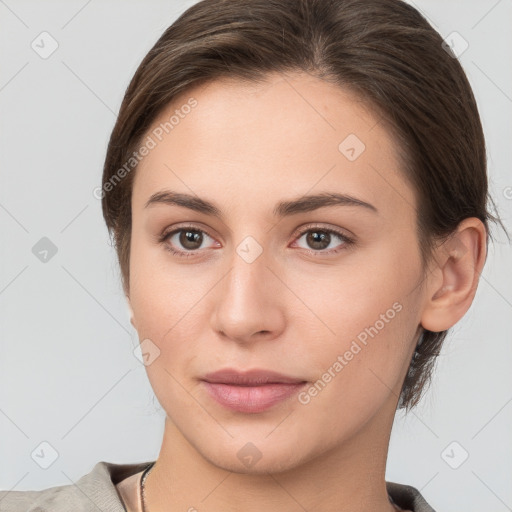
{"type": "Point", "coordinates": [383, 50]}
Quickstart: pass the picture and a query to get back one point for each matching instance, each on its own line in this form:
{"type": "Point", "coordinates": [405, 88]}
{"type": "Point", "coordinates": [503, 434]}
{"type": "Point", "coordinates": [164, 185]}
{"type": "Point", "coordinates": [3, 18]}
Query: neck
{"type": "Point", "coordinates": [348, 477]}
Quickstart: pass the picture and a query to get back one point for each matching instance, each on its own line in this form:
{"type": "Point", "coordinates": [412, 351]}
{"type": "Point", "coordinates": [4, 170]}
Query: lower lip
{"type": "Point", "coordinates": [251, 398]}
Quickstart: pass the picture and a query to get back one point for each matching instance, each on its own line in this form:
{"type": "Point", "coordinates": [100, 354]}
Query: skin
{"type": "Point", "coordinates": [245, 148]}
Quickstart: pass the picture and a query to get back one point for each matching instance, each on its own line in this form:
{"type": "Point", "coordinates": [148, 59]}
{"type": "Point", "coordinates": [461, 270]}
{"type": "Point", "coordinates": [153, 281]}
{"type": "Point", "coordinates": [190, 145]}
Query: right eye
{"type": "Point", "coordinates": [189, 238]}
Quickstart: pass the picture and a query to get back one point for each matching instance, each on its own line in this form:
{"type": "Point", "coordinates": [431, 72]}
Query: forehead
{"type": "Point", "coordinates": [288, 135]}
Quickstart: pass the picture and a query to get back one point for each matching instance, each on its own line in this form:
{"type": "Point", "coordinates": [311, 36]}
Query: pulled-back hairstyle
{"type": "Point", "coordinates": [383, 50]}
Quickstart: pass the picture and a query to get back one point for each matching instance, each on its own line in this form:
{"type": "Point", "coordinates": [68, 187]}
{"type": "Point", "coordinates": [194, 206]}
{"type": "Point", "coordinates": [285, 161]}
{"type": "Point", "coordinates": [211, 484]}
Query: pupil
{"type": "Point", "coordinates": [192, 237]}
{"type": "Point", "coordinates": [315, 240]}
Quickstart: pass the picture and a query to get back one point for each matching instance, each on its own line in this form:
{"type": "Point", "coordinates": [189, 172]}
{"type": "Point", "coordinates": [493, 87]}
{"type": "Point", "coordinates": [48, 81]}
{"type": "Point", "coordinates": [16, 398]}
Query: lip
{"type": "Point", "coordinates": [255, 377]}
{"type": "Point", "coordinates": [251, 391]}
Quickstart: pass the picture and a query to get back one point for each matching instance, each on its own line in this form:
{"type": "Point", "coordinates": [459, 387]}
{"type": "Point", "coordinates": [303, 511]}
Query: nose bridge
{"type": "Point", "coordinates": [249, 256]}
{"type": "Point", "coordinates": [248, 273]}
{"type": "Point", "coordinates": [248, 301]}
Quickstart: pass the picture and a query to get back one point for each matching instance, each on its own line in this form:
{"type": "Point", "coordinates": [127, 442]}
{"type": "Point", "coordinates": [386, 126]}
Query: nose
{"type": "Point", "coordinates": [249, 304]}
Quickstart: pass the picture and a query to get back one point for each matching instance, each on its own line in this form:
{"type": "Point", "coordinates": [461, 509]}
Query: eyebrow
{"type": "Point", "coordinates": [284, 208]}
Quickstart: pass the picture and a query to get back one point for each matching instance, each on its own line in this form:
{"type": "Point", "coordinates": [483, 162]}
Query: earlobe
{"type": "Point", "coordinates": [454, 280]}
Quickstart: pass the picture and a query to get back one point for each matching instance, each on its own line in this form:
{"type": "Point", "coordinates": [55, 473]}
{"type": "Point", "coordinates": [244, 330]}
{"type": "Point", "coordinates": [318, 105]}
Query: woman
{"type": "Point", "coordinates": [297, 192]}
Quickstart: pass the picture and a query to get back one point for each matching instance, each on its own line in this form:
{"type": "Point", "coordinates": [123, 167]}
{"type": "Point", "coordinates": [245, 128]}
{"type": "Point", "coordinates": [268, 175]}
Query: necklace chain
{"type": "Point", "coordinates": [142, 482]}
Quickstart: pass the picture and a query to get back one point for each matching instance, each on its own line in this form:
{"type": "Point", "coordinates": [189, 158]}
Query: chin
{"type": "Point", "coordinates": [259, 457]}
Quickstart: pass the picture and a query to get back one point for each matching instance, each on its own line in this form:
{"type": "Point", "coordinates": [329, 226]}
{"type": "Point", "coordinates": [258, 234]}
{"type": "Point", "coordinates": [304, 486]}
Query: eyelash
{"type": "Point", "coordinates": [347, 241]}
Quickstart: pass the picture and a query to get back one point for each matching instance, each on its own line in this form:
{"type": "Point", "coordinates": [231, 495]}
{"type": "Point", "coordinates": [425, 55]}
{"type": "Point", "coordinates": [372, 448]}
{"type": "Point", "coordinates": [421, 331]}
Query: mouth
{"type": "Point", "coordinates": [252, 391]}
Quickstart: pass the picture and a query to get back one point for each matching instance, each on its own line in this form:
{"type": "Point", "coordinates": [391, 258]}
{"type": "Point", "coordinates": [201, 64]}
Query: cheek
{"type": "Point", "coordinates": [168, 311]}
{"type": "Point", "coordinates": [360, 368]}
{"type": "Point", "coordinates": [172, 316]}
{"type": "Point", "coordinates": [356, 293]}
{"type": "Point", "coordinates": [173, 320]}
{"type": "Point", "coordinates": [161, 293]}
{"type": "Point", "coordinates": [366, 317]}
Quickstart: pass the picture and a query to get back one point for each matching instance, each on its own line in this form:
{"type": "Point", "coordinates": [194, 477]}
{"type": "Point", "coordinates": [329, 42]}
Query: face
{"type": "Point", "coordinates": [326, 293]}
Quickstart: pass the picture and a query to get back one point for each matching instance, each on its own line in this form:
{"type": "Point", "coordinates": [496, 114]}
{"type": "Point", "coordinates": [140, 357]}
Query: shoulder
{"type": "Point", "coordinates": [94, 491]}
{"type": "Point", "coordinates": [408, 497]}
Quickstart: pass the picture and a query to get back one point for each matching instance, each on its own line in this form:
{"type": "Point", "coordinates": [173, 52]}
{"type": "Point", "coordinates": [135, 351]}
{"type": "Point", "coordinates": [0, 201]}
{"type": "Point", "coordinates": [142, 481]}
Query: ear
{"type": "Point", "coordinates": [131, 312]}
{"type": "Point", "coordinates": [453, 282]}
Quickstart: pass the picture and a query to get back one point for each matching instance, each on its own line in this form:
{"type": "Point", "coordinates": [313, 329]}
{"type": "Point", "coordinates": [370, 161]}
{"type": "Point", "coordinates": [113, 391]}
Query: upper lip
{"type": "Point", "coordinates": [253, 377]}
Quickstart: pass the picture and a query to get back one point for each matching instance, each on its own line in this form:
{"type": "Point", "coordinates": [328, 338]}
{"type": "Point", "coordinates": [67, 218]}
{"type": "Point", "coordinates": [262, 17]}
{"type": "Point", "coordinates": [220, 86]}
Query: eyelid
{"type": "Point", "coordinates": [323, 227]}
{"type": "Point", "coordinates": [179, 227]}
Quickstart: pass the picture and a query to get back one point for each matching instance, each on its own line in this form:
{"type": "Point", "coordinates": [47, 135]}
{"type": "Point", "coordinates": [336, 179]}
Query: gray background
{"type": "Point", "coordinates": [68, 374]}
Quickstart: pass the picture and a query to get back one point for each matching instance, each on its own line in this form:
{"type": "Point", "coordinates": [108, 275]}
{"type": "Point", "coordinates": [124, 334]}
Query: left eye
{"type": "Point", "coordinates": [319, 239]}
